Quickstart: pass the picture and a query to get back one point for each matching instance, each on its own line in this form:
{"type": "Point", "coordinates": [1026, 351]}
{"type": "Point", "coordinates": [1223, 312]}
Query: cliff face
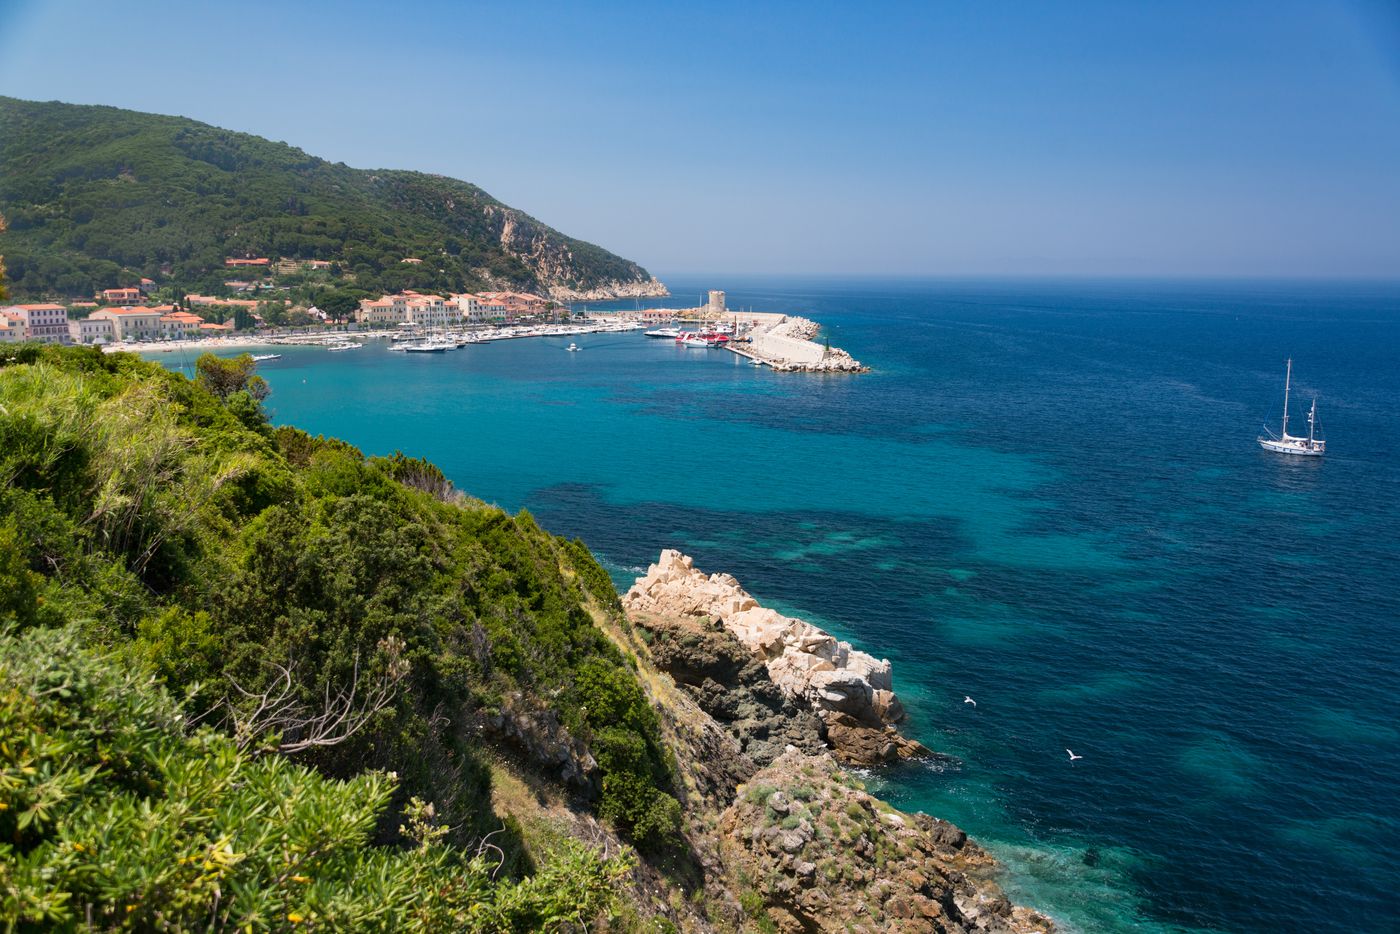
{"type": "Point", "coordinates": [557, 265]}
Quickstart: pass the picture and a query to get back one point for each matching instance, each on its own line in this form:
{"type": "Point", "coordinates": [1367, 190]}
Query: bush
{"type": "Point", "coordinates": [113, 818]}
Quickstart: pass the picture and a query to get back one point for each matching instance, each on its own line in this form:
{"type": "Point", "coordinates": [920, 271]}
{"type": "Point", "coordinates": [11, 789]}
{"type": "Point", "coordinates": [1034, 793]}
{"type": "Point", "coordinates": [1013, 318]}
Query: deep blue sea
{"type": "Point", "coordinates": [1047, 496]}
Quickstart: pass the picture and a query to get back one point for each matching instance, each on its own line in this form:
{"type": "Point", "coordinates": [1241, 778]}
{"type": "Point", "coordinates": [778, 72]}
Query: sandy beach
{"type": "Point", "coordinates": [201, 343]}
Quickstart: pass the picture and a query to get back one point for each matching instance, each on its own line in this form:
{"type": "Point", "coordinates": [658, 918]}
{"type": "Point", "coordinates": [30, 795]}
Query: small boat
{"type": "Point", "coordinates": [338, 347]}
{"type": "Point", "coordinates": [573, 347]}
{"type": "Point", "coordinates": [425, 347]}
{"type": "Point", "coordinates": [260, 357]}
{"type": "Point", "coordinates": [1283, 442]}
{"type": "Point", "coordinates": [664, 332]}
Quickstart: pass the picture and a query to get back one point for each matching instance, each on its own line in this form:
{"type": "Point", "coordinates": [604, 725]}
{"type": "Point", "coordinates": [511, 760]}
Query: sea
{"type": "Point", "coordinates": [1045, 496]}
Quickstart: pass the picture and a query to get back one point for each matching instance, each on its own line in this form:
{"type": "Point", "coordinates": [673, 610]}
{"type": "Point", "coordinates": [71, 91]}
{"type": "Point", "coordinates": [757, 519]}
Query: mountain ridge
{"type": "Point", "coordinates": [97, 197]}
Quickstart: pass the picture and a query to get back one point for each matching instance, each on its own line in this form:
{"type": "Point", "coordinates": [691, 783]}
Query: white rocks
{"type": "Point", "coordinates": [804, 661]}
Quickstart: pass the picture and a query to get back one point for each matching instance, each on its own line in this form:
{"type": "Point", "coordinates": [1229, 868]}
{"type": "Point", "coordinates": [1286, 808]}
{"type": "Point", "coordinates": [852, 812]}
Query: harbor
{"type": "Point", "coordinates": [780, 342]}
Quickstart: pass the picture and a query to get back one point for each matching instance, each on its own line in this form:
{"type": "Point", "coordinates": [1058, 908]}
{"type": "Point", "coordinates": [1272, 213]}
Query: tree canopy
{"type": "Point", "coordinates": [98, 197]}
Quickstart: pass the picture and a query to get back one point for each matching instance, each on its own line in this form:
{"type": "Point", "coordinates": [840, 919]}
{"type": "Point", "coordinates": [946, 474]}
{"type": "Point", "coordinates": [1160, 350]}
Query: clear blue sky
{"type": "Point", "coordinates": [1193, 138]}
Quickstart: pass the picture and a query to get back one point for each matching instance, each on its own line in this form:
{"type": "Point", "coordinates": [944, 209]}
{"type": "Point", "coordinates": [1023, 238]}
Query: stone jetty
{"type": "Point", "coordinates": [788, 345]}
{"type": "Point", "coordinates": [851, 691]}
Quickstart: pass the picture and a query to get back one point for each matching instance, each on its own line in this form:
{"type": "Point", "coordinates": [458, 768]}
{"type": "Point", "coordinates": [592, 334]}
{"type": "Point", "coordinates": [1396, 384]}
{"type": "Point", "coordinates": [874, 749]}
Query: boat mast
{"type": "Point", "coordinates": [1287, 380]}
{"type": "Point", "coordinates": [1312, 415]}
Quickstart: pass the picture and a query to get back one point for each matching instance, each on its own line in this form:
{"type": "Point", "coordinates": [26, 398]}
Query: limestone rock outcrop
{"type": "Point", "coordinates": [852, 691]}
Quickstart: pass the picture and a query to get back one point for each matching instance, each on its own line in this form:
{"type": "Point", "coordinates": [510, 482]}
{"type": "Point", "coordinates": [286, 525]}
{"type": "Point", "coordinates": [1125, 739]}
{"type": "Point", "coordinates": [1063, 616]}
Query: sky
{"type": "Point", "coordinates": [913, 139]}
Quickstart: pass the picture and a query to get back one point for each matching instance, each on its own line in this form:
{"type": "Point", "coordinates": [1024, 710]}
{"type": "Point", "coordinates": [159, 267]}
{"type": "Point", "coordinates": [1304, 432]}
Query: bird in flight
{"type": "Point", "coordinates": [1072, 756]}
{"type": "Point", "coordinates": [968, 700]}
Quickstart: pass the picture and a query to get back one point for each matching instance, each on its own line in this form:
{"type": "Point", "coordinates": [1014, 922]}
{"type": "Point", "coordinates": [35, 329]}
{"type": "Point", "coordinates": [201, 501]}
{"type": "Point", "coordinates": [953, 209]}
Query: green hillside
{"type": "Point", "coordinates": [97, 197]}
{"type": "Point", "coordinates": [249, 674]}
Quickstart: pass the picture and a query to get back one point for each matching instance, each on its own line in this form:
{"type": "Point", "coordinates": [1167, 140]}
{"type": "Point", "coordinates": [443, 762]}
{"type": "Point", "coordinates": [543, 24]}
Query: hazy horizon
{"type": "Point", "coordinates": [1243, 141]}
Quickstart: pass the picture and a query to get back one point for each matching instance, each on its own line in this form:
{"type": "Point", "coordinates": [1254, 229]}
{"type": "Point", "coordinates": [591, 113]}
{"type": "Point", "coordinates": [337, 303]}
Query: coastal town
{"type": "Point", "coordinates": [134, 317]}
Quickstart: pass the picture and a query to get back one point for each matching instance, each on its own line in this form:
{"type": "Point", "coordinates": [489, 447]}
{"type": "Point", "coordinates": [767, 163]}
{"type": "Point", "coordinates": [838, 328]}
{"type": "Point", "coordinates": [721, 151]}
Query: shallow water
{"type": "Point", "coordinates": [1046, 496]}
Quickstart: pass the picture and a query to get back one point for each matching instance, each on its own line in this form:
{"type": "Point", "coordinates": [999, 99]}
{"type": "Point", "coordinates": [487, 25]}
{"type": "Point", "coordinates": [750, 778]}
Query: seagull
{"type": "Point", "coordinates": [1072, 756]}
{"type": "Point", "coordinates": [968, 700]}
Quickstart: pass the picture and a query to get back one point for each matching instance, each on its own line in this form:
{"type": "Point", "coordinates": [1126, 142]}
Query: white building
{"type": "Point", "coordinates": [429, 311]}
{"type": "Point", "coordinates": [11, 330]}
{"type": "Point", "coordinates": [469, 308]}
{"type": "Point", "coordinates": [47, 323]}
{"type": "Point", "coordinates": [132, 324]}
{"type": "Point", "coordinates": [92, 331]}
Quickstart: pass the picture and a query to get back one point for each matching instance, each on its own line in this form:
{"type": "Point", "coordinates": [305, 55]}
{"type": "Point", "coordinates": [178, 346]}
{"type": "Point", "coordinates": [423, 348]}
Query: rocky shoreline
{"type": "Point", "coordinates": [850, 692]}
{"type": "Point", "coordinates": [763, 710]}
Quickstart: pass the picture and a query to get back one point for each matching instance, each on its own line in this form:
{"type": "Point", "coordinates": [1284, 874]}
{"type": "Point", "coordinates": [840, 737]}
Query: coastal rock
{"type": "Point", "coordinates": [730, 685]}
{"type": "Point", "coordinates": [847, 688]}
{"type": "Point", "coordinates": [820, 854]}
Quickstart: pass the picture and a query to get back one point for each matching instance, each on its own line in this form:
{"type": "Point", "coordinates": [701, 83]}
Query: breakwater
{"type": "Point", "coordinates": [788, 346]}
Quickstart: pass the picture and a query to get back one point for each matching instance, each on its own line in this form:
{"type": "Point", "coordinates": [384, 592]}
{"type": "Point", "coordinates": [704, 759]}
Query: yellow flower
{"type": "Point", "coordinates": [302, 879]}
{"type": "Point", "coordinates": [130, 908]}
{"type": "Point", "coordinates": [4, 806]}
{"type": "Point", "coordinates": [295, 918]}
{"type": "Point", "coordinates": [79, 848]}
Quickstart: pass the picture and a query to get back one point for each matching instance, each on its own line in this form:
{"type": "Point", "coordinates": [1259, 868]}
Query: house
{"type": "Point", "coordinates": [261, 262]}
{"type": "Point", "coordinates": [513, 305]}
{"type": "Point", "coordinates": [430, 311]}
{"type": "Point", "coordinates": [178, 325]}
{"type": "Point", "coordinates": [132, 324]}
{"type": "Point", "coordinates": [45, 322]}
{"type": "Point", "coordinates": [468, 308]}
{"type": "Point", "coordinates": [239, 285]}
{"type": "Point", "coordinates": [148, 285]}
{"type": "Point", "coordinates": [211, 329]}
{"type": "Point", "coordinates": [411, 260]}
{"type": "Point", "coordinates": [120, 297]}
{"type": "Point", "coordinates": [92, 330]}
{"type": "Point", "coordinates": [11, 330]}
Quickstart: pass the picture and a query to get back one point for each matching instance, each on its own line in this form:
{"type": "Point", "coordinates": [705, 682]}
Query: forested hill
{"type": "Point", "coordinates": [97, 197]}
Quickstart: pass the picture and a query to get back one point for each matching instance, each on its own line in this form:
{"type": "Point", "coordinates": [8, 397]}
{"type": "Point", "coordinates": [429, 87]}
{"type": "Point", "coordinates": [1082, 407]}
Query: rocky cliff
{"type": "Point", "coordinates": [850, 691]}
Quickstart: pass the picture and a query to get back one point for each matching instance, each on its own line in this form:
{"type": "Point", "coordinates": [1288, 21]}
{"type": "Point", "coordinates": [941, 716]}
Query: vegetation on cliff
{"type": "Point", "coordinates": [97, 197]}
{"type": "Point", "coordinates": [326, 620]}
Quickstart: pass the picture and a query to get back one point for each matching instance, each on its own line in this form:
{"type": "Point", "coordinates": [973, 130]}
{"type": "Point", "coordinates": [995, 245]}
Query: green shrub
{"type": "Point", "coordinates": [113, 819]}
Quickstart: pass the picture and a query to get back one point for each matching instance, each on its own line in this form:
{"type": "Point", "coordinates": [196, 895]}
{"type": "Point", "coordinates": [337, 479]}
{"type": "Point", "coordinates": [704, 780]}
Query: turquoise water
{"type": "Point", "coordinates": [1046, 496]}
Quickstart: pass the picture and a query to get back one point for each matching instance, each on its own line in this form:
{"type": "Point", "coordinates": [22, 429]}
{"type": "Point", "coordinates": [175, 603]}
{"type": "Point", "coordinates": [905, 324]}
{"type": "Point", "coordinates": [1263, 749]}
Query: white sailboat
{"type": "Point", "coordinates": [1284, 443]}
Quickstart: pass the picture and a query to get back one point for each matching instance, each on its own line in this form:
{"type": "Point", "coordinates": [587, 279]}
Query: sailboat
{"type": "Point", "coordinates": [1284, 443]}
